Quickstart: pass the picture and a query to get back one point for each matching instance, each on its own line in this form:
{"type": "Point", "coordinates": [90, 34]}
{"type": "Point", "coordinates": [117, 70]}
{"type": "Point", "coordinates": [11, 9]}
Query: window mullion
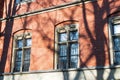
{"type": "Point", "coordinates": [68, 50]}
{"type": "Point", "coordinates": [22, 60]}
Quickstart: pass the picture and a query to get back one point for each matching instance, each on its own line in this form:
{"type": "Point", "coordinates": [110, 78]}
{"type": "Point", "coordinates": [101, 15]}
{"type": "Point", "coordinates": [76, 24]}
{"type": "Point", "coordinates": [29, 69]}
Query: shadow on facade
{"type": "Point", "coordinates": [7, 31]}
{"type": "Point", "coordinates": [98, 43]}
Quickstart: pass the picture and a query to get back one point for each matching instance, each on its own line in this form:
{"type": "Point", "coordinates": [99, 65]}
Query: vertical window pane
{"type": "Point", "coordinates": [18, 55]}
{"type": "Point", "coordinates": [27, 54]}
{"type": "Point", "coordinates": [117, 58]}
{"type": "Point", "coordinates": [117, 43]}
{"type": "Point", "coordinates": [26, 62]}
{"type": "Point", "coordinates": [25, 0]}
{"type": "Point", "coordinates": [17, 66]}
{"type": "Point", "coordinates": [26, 65]}
{"type": "Point", "coordinates": [73, 55]}
{"type": "Point", "coordinates": [63, 63]}
{"type": "Point", "coordinates": [28, 42]}
{"type": "Point", "coordinates": [18, 60]}
{"type": "Point", "coordinates": [116, 29]}
{"type": "Point", "coordinates": [73, 35]}
{"type": "Point", "coordinates": [17, 1]}
{"type": "Point", "coordinates": [19, 43]}
{"type": "Point", "coordinates": [62, 50]}
{"type": "Point", "coordinates": [73, 61]}
{"type": "Point", "coordinates": [74, 49]}
{"type": "Point", "coordinates": [1, 77]}
{"type": "Point", "coordinates": [62, 37]}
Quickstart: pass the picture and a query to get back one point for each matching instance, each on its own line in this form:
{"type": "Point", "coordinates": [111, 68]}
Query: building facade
{"type": "Point", "coordinates": [60, 39]}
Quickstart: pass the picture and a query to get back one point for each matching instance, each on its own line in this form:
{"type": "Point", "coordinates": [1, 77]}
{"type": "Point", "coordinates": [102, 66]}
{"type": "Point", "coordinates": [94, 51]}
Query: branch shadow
{"type": "Point", "coordinates": [7, 34]}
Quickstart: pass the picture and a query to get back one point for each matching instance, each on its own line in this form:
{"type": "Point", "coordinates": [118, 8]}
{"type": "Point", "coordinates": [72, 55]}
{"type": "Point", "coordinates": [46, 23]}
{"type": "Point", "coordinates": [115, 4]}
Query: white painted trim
{"type": "Point", "coordinates": [110, 42]}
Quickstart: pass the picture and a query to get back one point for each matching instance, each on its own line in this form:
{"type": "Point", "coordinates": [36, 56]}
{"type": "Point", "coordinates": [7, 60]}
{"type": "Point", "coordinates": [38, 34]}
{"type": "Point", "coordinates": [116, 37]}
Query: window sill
{"type": "Point", "coordinates": [62, 70]}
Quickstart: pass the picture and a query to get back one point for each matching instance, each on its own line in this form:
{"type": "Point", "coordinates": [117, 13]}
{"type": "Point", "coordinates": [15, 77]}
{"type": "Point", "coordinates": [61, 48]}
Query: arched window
{"type": "Point", "coordinates": [21, 50]}
{"type": "Point", "coordinates": [115, 40]}
{"type": "Point", "coordinates": [67, 47]}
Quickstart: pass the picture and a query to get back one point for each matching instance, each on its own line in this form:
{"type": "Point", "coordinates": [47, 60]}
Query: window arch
{"type": "Point", "coordinates": [22, 42]}
{"type": "Point", "coordinates": [67, 46]}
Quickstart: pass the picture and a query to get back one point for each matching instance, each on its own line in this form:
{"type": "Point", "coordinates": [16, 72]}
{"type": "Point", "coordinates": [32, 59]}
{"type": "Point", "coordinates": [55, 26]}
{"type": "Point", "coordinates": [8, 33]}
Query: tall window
{"type": "Point", "coordinates": [22, 49]}
{"type": "Point", "coordinates": [115, 33]}
{"type": "Point", "coordinates": [67, 47]}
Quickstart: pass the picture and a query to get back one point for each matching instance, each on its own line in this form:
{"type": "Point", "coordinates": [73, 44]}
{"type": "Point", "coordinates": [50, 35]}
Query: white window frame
{"type": "Point", "coordinates": [112, 21]}
{"type": "Point", "coordinates": [75, 27]}
{"type": "Point", "coordinates": [18, 37]}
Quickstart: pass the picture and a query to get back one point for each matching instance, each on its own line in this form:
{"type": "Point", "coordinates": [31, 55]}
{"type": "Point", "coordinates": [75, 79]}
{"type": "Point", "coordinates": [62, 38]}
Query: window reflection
{"type": "Point", "coordinates": [117, 29]}
{"type": "Point", "coordinates": [117, 57]}
{"type": "Point", "coordinates": [20, 43]}
{"type": "Point", "coordinates": [63, 50]}
{"type": "Point", "coordinates": [74, 55]}
{"type": "Point", "coordinates": [117, 43]}
{"type": "Point", "coordinates": [27, 54]}
{"type": "Point", "coordinates": [73, 35]}
{"type": "Point", "coordinates": [74, 48]}
{"type": "Point", "coordinates": [18, 55]}
{"type": "Point", "coordinates": [18, 65]}
{"type": "Point", "coordinates": [26, 65]}
{"type": "Point", "coordinates": [17, 1]}
{"type": "Point", "coordinates": [62, 37]}
{"type": "Point", "coordinates": [74, 61]}
{"type": "Point", "coordinates": [63, 63]}
{"type": "Point", "coordinates": [28, 42]}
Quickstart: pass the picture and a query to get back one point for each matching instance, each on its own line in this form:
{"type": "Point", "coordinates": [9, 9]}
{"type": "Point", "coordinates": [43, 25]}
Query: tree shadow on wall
{"type": "Point", "coordinates": [98, 41]}
{"type": "Point", "coordinates": [6, 33]}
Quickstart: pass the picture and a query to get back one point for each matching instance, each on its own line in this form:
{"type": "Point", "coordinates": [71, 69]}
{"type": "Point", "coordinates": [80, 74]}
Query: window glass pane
{"type": "Point", "coordinates": [62, 37]}
{"type": "Point", "coordinates": [28, 42]}
{"type": "Point", "coordinates": [117, 43]}
{"type": "Point", "coordinates": [19, 43]}
{"type": "Point", "coordinates": [1, 77]}
{"type": "Point", "coordinates": [27, 54]}
{"type": "Point", "coordinates": [117, 58]}
{"type": "Point", "coordinates": [74, 35]}
{"type": "Point", "coordinates": [26, 65]}
{"type": "Point", "coordinates": [17, 1]}
{"type": "Point", "coordinates": [25, 0]}
{"type": "Point", "coordinates": [63, 63]}
{"type": "Point", "coordinates": [74, 49]}
{"type": "Point", "coordinates": [116, 29]}
{"type": "Point", "coordinates": [62, 50]}
{"type": "Point", "coordinates": [73, 61]}
{"type": "Point", "coordinates": [17, 66]}
{"type": "Point", "coordinates": [18, 55]}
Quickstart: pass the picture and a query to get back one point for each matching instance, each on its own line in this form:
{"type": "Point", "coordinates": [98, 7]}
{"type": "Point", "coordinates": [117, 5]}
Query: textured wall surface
{"type": "Point", "coordinates": [92, 18]}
